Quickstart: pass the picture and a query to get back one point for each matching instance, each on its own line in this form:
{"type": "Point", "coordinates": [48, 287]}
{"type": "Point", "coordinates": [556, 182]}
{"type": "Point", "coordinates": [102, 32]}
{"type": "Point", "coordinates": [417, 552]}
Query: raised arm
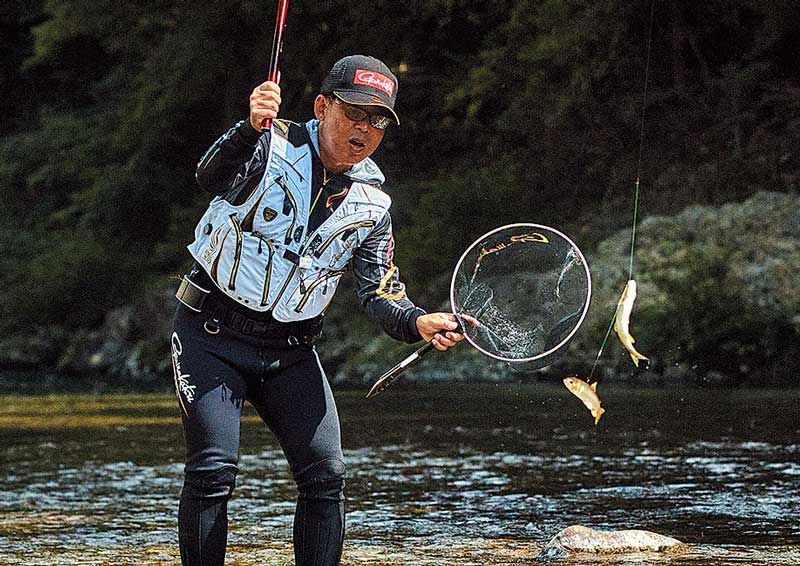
{"type": "Point", "coordinates": [230, 156]}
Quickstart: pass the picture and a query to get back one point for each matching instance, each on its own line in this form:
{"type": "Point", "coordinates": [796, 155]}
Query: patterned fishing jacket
{"type": "Point", "coordinates": [268, 242]}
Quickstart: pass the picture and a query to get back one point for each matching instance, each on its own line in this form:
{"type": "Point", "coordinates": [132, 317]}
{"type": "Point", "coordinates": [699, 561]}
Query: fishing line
{"type": "Point", "coordinates": [600, 352]}
{"type": "Point", "coordinates": [637, 184]}
{"type": "Point", "coordinates": [641, 137]}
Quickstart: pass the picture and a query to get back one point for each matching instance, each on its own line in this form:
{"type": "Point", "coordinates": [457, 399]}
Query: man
{"type": "Point", "coordinates": [296, 207]}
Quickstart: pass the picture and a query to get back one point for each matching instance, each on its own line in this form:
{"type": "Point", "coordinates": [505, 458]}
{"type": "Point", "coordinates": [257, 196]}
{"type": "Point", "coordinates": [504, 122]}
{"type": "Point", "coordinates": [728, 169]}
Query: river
{"type": "Point", "coordinates": [438, 475]}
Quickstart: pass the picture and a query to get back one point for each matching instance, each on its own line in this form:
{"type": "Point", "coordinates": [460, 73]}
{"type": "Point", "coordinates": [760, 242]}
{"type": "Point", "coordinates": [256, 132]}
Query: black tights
{"type": "Point", "coordinates": [214, 375]}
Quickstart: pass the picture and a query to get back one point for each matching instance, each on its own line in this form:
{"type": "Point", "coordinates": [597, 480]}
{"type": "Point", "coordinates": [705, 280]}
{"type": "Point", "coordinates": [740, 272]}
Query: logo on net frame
{"type": "Point", "coordinates": [375, 80]}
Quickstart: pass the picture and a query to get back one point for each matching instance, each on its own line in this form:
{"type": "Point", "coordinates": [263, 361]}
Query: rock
{"type": "Point", "coordinates": [717, 294]}
{"type": "Point", "coordinates": [578, 539]}
{"type": "Point", "coordinates": [39, 348]}
{"type": "Point", "coordinates": [129, 349]}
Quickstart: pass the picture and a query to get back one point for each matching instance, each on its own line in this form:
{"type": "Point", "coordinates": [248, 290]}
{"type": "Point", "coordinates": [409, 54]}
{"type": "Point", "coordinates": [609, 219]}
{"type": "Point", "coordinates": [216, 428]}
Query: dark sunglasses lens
{"type": "Point", "coordinates": [357, 114]}
{"type": "Point", "coordinates": [379, 122]}
{"type": "Point", "coordinates": [354, 113]}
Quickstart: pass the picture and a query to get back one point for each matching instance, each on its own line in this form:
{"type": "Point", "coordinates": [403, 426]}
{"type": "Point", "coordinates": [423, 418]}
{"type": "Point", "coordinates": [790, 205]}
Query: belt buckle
{"type": "Point", "coordinates": [293, 341]}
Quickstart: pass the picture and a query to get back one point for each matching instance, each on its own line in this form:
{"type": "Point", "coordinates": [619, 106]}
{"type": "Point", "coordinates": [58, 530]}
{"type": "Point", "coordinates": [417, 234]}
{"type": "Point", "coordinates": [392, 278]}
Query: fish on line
{"type": "Point", "coordinates": [586, 393]}
{"type": "Point", "coordinates": [622, 321]}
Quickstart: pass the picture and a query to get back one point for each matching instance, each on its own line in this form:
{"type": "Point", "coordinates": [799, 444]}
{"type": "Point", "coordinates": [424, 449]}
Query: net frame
{"type": "Point", "coordinates": [564, 341]}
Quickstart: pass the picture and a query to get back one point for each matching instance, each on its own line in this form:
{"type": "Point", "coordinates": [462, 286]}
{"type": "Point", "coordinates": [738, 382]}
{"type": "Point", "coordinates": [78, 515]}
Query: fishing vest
{"type": "Point", "coordinates": [260, 253]}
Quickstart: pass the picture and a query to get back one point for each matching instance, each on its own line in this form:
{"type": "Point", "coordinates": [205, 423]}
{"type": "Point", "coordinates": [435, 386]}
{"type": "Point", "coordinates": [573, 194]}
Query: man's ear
{"type": "Point", "coordinates": [321, 106]}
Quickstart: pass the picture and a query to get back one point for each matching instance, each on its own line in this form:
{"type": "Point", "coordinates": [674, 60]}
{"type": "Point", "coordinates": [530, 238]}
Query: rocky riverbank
{"type": "Point", "coordinates": [718, 303]}
{"type": "Point", "coordinates": [717, 300]}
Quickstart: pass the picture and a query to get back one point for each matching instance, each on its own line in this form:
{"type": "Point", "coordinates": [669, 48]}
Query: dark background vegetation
{"type": "Point", "coordinates": [524, 110]}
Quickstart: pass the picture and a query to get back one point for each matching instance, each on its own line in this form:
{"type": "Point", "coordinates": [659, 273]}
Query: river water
{"type": "Point", "coordinates": [438, 475]}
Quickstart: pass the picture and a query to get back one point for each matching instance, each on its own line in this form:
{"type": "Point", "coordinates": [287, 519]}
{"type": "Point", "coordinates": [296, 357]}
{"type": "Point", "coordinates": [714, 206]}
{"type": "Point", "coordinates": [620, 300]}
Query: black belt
{"type": "Point", "coordinates": [222, 313]}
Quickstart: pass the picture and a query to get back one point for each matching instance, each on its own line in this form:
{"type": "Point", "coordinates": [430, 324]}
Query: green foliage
{"type": "Point", "coordinates": [715, 292]}
{"type": "Point", "coordinates": [71, 282]}
{"type": "Point", "coordinates": [701, 316]}
{"type": "Point", "coordinates": [17, 17]}
{"type": "Point", "coordinates": [511, 111]}
{"type": "Point", "coordinates": [706, 323]}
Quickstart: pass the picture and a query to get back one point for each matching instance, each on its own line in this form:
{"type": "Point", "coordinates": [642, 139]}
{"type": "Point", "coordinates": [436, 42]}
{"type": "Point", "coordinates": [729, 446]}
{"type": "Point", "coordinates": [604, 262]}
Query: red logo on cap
{"type": "Point", "coordinates": [375, 80]}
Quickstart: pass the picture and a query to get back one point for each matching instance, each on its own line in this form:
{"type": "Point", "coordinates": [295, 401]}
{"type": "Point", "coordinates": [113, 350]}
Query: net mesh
{"type": "Point", "coordinates": [529, 288]}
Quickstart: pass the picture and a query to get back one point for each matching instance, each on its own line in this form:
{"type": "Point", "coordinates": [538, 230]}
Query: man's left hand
{"type": "Point", "coordinates": [439, 329]}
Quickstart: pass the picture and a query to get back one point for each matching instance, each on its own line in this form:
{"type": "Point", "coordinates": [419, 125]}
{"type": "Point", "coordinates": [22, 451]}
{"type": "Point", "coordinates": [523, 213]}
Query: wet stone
{"type": "Point", "coordinates": [579, 539]}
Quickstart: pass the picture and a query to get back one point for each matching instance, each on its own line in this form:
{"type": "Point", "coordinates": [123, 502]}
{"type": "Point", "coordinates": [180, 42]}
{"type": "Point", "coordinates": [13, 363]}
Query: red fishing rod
{"type": "Point", "coordinates": [277, 47]}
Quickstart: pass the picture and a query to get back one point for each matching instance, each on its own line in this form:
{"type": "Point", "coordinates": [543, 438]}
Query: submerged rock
{"type": "Point", "coordinates": [578, 539]}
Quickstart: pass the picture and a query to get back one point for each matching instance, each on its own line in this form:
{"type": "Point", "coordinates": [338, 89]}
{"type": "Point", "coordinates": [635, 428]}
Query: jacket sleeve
{"type": "Point", "coordinates": [231, 159]}
{"type": "Point", "coordinates": [378, 285]}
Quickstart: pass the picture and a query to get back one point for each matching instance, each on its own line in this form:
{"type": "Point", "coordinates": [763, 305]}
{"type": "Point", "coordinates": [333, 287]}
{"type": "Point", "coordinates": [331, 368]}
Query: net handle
{"type": "Point", "coordinates": [393, 374]}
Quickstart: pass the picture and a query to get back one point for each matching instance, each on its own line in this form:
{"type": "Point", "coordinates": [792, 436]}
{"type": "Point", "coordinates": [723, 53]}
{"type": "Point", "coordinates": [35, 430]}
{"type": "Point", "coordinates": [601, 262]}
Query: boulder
{"type": "Point", "coordinates": [717, 300]}
{"type": "Point", "coordinates": [579, 539]}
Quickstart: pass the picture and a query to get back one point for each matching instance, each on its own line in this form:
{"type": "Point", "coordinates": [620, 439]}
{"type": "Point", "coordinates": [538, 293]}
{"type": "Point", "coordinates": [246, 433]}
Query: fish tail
{"type": "Point", "coordinates": [636, 356]}
{"type": "Point", "coordinates": [597, 413]}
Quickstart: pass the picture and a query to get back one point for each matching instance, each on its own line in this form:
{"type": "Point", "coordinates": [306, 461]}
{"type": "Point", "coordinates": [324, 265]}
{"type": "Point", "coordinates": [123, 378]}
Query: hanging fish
{"type": "Point", "coordinates": [586, 393]}
{"type": "Point", "coordinates": [622, 321]}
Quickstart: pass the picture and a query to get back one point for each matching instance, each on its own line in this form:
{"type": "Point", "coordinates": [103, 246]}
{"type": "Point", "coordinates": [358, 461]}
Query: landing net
{"type": "Point", "coordinates": [529, 287]}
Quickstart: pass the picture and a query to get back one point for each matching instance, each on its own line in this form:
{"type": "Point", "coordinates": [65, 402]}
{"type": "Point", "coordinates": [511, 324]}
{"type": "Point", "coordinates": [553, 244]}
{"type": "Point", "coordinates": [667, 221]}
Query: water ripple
{"type": "Point", "coordinates": [484, 493]}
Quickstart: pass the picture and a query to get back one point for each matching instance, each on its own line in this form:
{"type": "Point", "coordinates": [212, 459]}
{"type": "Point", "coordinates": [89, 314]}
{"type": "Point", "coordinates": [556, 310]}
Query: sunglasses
{"type": "Point", "coordinates": [356, 114]}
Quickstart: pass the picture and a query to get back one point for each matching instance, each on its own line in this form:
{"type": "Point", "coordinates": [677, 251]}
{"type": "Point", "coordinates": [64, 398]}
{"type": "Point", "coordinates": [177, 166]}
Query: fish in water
{"type": "Point", "coordinates": [586, 393]}
{"type": "Point", "coordinates": [582, 539]}
{"type": "Point", "coordinates": [622, 321]}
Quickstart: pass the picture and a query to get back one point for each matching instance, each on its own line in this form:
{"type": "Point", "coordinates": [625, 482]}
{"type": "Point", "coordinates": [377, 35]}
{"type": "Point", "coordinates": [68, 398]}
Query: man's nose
{"type": "Point", "coordinates": [363, 125]}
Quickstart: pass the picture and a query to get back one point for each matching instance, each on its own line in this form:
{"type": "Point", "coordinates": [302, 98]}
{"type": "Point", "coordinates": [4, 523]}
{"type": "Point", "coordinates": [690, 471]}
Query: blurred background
{"type": "Point", "coordinates": [523, 111]}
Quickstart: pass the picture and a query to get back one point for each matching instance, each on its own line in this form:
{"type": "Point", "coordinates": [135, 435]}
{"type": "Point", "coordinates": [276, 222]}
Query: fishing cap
{"type": "Point", "coordinates": [362, 80]}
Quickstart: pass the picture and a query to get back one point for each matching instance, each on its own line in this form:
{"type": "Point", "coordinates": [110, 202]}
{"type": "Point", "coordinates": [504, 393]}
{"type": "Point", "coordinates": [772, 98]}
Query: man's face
{"type": "Point", "coordinates": [344, 142]}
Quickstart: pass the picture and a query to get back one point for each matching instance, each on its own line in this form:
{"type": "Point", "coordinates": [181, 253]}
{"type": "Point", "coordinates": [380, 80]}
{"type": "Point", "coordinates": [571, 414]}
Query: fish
{"type": "Point", "coordinates": [586, 393]}
{"type": "Point", "coordinates": [622, 321]}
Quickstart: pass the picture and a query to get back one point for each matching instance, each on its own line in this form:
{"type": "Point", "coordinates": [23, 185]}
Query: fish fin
{"type": "Point", "coordinates": [597, 414]}
{"type": "Point", "coordinates": [593, 385]}
{"type": "Point", "coordinates": [636, 356]}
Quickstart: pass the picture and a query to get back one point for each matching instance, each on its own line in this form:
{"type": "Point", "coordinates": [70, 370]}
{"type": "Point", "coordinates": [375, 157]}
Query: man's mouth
{"type": "Point", "coordinates": [357, 145]}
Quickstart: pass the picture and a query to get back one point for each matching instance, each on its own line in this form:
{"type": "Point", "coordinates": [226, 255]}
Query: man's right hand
{"type": "Point", "coordinates": [265, 100]}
